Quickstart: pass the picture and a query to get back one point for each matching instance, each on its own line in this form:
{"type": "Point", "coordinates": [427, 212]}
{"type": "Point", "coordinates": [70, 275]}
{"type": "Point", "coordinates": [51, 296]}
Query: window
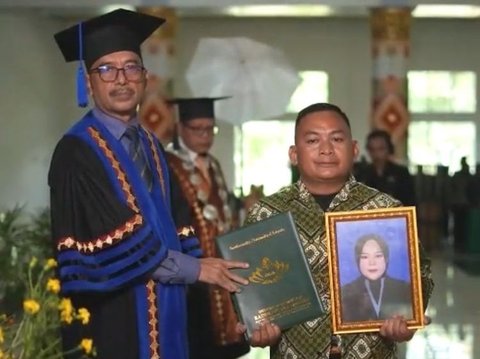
{"type": "Point", "coordinates": [265, 155]}
{"type": "Point", "coordinates": [312, 89]}
{"type": "Point", "coordinates": [444, 143]}
{"type": "Point", "coordinates": [441, 92]}
{"type": "Point", "coordinates": [443, 123]}
{"type": "Point", "coordinates": [261, 147]}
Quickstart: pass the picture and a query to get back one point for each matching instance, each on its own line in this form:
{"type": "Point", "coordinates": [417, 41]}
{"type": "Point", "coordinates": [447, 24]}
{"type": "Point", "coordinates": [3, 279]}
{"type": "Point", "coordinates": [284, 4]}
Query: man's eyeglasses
{"type": "Point", "coordinates": [200, 131]}
{"type": "Point", "coordinates": [109, 73]}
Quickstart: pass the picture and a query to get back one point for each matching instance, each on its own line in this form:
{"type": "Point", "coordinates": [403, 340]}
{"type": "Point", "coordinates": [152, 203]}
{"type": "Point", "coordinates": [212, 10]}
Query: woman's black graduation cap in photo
{"type": "Point", "coordinates": [118, 30]}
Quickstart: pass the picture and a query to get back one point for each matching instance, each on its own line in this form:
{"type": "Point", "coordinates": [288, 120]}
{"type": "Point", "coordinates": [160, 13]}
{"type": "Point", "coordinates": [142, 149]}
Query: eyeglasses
{"type": "Point", "coordinates": [200, 131]}
{"type": "Point", "coordinates": [109, 73]}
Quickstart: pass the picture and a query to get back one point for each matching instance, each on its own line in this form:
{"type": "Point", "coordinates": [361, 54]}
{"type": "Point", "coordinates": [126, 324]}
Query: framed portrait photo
{"type": "Point", "coordinates": [374, 268]}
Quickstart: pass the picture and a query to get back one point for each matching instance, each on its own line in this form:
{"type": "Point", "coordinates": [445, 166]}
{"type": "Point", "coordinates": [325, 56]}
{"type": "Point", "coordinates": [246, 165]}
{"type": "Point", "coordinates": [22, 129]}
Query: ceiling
{"type": "Point", "coordinates": [250, 8]}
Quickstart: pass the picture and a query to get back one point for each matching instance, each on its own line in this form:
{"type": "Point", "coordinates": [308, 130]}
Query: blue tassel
{"type": "Point", "coordinates": [82, 93]}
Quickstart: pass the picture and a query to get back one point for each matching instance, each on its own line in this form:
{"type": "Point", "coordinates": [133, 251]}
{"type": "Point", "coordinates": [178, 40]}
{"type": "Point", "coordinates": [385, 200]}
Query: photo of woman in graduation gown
{"type": "Point", "coordinates": [374, 295]}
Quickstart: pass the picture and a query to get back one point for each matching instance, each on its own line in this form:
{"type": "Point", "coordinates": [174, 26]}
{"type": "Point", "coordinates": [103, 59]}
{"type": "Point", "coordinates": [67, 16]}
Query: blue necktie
{"type": "Point", "coordinates": [135, 150]}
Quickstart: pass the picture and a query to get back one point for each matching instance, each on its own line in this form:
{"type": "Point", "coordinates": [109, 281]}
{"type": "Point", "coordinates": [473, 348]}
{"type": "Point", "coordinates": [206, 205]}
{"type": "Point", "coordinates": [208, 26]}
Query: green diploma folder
{"type": "Point", "coordinates": [281, 288]}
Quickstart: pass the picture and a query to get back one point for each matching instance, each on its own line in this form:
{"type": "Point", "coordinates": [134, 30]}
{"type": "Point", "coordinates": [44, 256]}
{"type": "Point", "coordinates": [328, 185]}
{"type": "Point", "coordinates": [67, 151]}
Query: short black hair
{"type": "Point", "coordinates": [321, 107]}
{"type": "Point", "coordinates": [385, 136]}
{"type": "Point", "coordinates": [375, 237]}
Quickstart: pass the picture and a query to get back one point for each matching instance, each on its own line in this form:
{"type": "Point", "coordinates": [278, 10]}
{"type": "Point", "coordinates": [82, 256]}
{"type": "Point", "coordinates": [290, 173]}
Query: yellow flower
{"type": "Point", "coordinates": [33, 262]}
{"type": "Point", "coordinates": [53, 285]}
{"type": "Point", "coordinates": [51, 263]}
{"type": "Point", "coordinates": [2, 339]}
{"type": "Point", "coordinates": [86, 345]}
{"type": "Point", "coordinates": [65, 304]}
{"type": "Point", "coordinates": [66, 310]}
{"type": "Point", "coordinates": [31, 306]}
{"type": "Point", "coordinates": [83, 315]}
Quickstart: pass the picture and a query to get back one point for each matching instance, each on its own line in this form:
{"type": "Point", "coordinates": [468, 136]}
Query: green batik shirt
{"type": "Point", "coordinates": [311, 340]}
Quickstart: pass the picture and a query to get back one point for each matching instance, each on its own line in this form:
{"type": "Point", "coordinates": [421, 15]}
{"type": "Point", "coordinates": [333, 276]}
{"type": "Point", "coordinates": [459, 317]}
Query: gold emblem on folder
{"type": "Point", "coordinates": [269, 271]}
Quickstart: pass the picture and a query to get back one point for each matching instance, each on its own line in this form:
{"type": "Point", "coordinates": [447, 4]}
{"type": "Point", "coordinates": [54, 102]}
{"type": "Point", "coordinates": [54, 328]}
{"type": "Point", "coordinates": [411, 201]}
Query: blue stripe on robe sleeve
{"type": "Point", "coordinates": [108, 269]}
{"type": "Point", "coordinates": [191, 246]}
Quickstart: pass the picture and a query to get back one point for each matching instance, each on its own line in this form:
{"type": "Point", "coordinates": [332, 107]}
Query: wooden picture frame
{"type": "Point", "coordinates": [364, 292]}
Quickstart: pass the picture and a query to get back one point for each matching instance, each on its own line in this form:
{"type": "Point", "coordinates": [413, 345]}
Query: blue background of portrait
{"type": "Point", "coordinates": [393, 231]}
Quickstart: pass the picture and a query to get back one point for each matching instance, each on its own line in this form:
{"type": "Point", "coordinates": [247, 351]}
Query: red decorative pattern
{"type": "Point", "coordinates": [391, 118]}
{"type": "Point", "coordinates": [191, 196]}
{"type": "Point", "coordinates": [153, 320]}
{"type": "Point", "coordinates": [131, 200]}
{"type": "Point", "coordinates": [223, 317]}
{"type": "Point", "coordinates": [122, 178]}
{"type": "Point", "coordinates": [103, 241]}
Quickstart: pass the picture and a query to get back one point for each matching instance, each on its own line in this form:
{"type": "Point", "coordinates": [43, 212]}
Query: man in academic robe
{"type": "Point", "coordinates": [202, 200]}
{"type": "Point", "coordinates": [117, 247]}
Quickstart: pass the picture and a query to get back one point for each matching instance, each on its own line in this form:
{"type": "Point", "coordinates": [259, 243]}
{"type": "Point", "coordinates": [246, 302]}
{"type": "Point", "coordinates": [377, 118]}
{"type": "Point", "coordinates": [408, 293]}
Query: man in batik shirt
{"type": "Point", "coordinates": [324, 152]}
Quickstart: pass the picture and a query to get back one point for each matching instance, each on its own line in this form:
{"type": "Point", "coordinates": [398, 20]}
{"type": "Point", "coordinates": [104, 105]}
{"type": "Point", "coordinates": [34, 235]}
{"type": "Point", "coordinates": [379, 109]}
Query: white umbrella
{"type": "Point", "coordinates": [258, 77]}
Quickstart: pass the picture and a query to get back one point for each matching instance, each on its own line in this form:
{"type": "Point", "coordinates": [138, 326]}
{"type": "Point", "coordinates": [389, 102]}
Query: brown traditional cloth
{"type": "Point", "coordinates": [312, 340]}
{"type": "Point", "coordinates": [211, 315]}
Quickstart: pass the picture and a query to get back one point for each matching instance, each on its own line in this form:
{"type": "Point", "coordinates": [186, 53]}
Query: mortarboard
{"type": "Point", "coordinates": [118, 30]}
{"type": "Point", "coordinates": [191, 108]}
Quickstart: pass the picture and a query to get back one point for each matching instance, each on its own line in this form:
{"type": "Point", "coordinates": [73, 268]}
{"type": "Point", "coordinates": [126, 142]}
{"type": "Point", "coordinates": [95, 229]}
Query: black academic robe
{"type": "Point", "coordinates": [110, 234]}
{"type": "Point", "coordinates": [395, 181]}
{"type": "Point", "coordinates": [357, 306]}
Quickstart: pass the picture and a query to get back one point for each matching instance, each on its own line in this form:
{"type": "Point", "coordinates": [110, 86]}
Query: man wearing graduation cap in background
{"type": "Point", "coordinates": [118, 251]}
{"type": "Point", "coordinates": [202, 200]}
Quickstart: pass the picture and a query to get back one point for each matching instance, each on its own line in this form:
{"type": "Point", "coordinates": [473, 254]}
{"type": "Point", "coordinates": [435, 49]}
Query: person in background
{"type": "Point", "coordinates": [384, 174]}
{"type": "Point", "coordinates": [117, 248]}
{"type": "Point", "coordinates": [201, 199]}
{"type": "Point", "coordinates": [324, 152]}
{"type": "Point", "coordinates": [460, 204]}
{"type": "Point", "coordinates": [473, 188]}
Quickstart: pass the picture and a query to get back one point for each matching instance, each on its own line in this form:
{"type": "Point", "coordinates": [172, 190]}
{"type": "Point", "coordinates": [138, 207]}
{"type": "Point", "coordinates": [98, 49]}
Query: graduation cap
{"type": "Point", "coordinates": [191, 108]}
{"type": "Point", "coordinates": [118, 30]}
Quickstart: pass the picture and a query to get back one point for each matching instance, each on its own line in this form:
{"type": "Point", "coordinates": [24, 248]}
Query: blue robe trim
{"type": "Point", "coordinates": [157, 233]}
{"type": "Point", "coordinates": [189, 241]}
{"type": "Point", "coordinates": [93, 279]}
{"type": "Point", "coordinates": [103, 256]}
{"type": "Point", "coordinates": [191, 246]}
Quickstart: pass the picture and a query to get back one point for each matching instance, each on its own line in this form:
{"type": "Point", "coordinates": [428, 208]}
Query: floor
{"type": "Point", "coordinates": [454, 309]}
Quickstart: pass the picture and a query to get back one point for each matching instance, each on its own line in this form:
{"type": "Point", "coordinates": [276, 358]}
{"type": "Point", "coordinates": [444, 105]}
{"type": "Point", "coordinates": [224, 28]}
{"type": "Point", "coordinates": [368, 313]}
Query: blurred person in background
{"type": "Point", "coordinates": [384, 174]}
{"type": "Point", "coordinates": [200, 198]}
